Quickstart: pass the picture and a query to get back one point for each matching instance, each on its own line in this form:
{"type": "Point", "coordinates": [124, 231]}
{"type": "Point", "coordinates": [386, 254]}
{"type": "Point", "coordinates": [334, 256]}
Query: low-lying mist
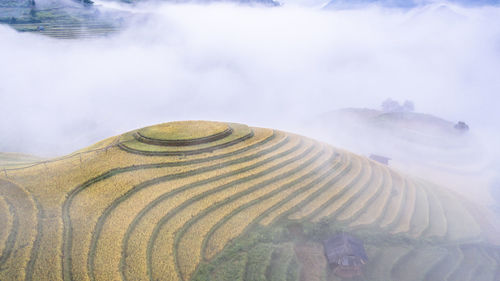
{"type": "Point", "coordinates": [269, 67]}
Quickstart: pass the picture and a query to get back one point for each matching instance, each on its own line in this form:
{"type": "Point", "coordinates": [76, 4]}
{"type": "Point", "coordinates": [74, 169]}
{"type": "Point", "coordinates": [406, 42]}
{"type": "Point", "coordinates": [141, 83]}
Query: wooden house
{"type": "Point", "coordinates": [345, 255]}
{"type": "Point", "coordinates": [379, 158]}
{"type": "Point", "coordinates": [461, 126]}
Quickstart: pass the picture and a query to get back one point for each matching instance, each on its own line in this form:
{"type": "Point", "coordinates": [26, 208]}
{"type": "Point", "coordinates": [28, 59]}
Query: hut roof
{"type": "Point", "coordinates": [342, 245]}
{"type": "Point", "coordinates": [380, 158]}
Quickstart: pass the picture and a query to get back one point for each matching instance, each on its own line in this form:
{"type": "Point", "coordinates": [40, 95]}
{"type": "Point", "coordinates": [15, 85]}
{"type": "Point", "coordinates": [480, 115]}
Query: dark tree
{"type": "Point", "coordinates": [461, 126]}
{"type": "Point", "coordinates": [408, 106]}
{"type": "Point", "coordinates": [390, 105]}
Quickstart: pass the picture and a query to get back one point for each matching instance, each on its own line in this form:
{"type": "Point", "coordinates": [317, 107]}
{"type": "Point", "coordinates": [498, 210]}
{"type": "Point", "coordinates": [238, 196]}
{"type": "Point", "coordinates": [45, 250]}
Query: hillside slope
{"type": "Point", "coordinates": [198, 200]}
{"type": "Point", "coordinates": [15, 160]}
{"type": "Point", "coordinates": [416, 143]}
{"type": "Point", "coordinates": [81, 19]}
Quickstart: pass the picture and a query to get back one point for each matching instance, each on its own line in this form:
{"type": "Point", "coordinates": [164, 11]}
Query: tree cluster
{"type": "Point", "coordinates": [390, 105]}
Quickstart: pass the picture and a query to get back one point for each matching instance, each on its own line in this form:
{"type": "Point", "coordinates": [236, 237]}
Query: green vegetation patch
{"type": "Point", "coordinates": [259, 258]}
{"type": "Point", "coordinates": [250, 252]}
{"type": "Point", "coordinates": [282, 264]}
{"type": "Point", "coordinates": [270, 254]}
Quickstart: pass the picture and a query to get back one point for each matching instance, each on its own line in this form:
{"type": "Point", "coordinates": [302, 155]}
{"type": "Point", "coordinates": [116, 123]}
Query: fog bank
{"type": "Point", "coordinates": [269, 67]}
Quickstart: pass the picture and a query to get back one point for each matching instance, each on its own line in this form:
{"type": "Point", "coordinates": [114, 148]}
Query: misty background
{"type": "Point", "coordinates": [276, 67]}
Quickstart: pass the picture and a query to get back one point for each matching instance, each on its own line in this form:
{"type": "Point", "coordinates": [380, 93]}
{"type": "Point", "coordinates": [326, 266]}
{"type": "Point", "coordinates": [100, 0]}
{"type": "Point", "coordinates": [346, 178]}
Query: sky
{"type": "Point", "coordinates": [266, 67]}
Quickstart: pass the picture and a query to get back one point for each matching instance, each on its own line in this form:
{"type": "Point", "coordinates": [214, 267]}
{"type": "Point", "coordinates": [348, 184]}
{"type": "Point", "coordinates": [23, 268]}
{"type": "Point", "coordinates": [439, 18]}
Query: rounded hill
{"type": "Point", "coordinates": [199, 200]}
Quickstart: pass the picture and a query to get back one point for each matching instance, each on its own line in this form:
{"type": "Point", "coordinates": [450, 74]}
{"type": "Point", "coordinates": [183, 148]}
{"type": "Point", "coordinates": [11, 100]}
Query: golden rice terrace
{"type": "Point", "coordinates": [200, 200]}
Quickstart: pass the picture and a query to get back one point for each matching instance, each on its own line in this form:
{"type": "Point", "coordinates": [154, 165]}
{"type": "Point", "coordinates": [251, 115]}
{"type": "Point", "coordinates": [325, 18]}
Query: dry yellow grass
{"type": "Point", "coordinates": [79, 167]}
{"type": "Point", "coordinates": [49, 181]}
{"type": "Point", "coordinates": [438, 224]}
{"type": "Point", "coordinates": [239, 131]}
{"type": "Point", "coordinates": [125, 215]}
{"type": "Point", "coordinates": [109, 248]}
{"type": "Point", "coordinates": [395, 204]}
{"type": "Point", "coordinates": [352, 189]}
{"type": "Point", "coordinates": [145, 227]}
{"type": "Point", "coordinates": [403, 224]}
{"type": "Point", "coordinates": [5, 223]}
{"type": "Point", "coordinates": [102, 145]}
{"type": "Point", "coordinates": [237, 223]}
{"type": "Point", "coordinates": [17, 160]}
{"type": "Point", "coordinates": [183, 130]}
{"type": "Point", "coordinates": [461, 224]}
{"type": "Point", "coordinates": [47, 266]}
{"type": "Point", "coordinates": [89, 205]}
{"type": "Point", "coordinates": [420, 219]}
{"type": "Point", "coordinates": [113, 188]}
{"type": "Point", "coordinates": [376, 209]}
{"type": "Point", "coordinates": [364, 197]}
{"type": "Point", "coordinates": [345, 163]}
{"type": "Point", "coordinates": [187, 259]}
{"type": "Point", "coordinates": [163, 263]}
{"type": "Point", "coordinates": [332, 191]}
{"type": "Point", "coordinates": [136, 255]}
{"type": "Point", "coordinates": [24, 211]}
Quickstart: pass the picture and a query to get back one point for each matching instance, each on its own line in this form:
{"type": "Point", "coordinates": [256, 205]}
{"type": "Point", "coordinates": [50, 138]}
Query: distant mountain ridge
{"type": "Point", "coordinates": [402, 3]}
{"type": "Point", "coordinates": [80, 18]}
{"type": "Point", "coordinates": [423, 120]}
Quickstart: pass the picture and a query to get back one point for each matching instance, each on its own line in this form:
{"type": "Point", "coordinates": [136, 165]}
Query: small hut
{"type": "Point", "coordinates": [379, 158]}
{"type": "Point", "coordinates": [345, 255]}
{"type": "Point", "coordinates": [461, 126]}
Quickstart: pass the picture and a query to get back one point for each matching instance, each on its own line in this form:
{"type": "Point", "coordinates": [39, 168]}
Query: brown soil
{"type": "Point", "coordinates": [312, 261]}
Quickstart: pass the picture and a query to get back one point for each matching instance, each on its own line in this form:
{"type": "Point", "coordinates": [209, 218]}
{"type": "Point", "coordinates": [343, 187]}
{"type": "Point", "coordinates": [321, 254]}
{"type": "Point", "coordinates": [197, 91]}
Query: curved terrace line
{"type": "Point", "coordinates": [318, 171]}
{"type": "Point", "coordinates": [164, 220]}
{"type": "Point", "coordinates": [186, 152]}
{"type": "Point", "coordinates": [36, 244]}
{"type": "Point", "coordinates": [356, 180]}
{"type": "Point", "coordinates": [12, 237]}
{"type": "Point", "coordinates": [158, 200]}
{"type": "Point", "coordinates": [356, 199]}
{"type": "Point", "coordinates": [188, 142]}
{"type": "Point", "coordinates": [248, 191]}
{"type": "Point", "coordinates": [102, 219]}
{"type": "Point", "coordinates": [67, 226]}
{"type": "Point", "coordinates": [334, 167]}
{"type": "Point", "coordinates": [344, 171]}
{"type": "Point", "coordinates": [317, 208]}
{"type": "Point", "coordinates": [8, 218]}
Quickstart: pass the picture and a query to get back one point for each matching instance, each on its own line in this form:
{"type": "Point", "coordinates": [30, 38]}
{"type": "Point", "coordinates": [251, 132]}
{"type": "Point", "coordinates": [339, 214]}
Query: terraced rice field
{"type": "Point", "coordinates": [69, 29]}
{"type": "Point", "coordinates": [200, 200]}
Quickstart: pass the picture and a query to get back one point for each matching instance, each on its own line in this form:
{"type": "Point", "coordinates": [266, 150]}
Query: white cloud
{"type": "Point", "coordinates": [270, 67]}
